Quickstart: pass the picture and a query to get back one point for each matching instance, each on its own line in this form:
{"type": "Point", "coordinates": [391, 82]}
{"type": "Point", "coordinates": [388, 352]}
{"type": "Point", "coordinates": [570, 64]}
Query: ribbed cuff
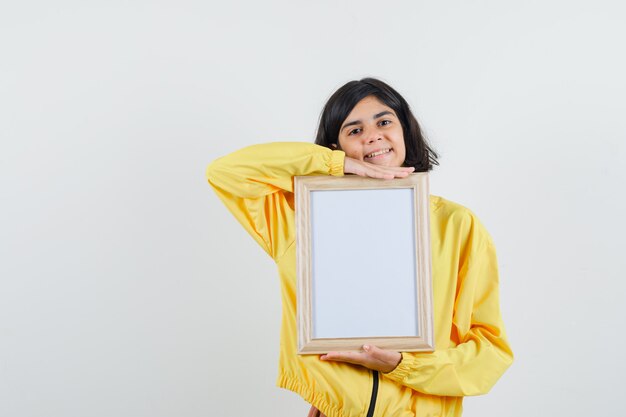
{"type": "Point", "coordinates": [337, 159]}
{"type": "Point", "coordinates": [407, 364]}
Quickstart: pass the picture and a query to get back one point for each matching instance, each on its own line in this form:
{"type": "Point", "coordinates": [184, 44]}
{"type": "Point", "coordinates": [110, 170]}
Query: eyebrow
{"type": "Point", "coordinates": [376, 116]}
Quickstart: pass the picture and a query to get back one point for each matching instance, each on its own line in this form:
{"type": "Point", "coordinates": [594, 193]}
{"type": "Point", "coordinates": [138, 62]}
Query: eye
{"type": "Point", "coordinates": [353, 132]}
{"type": "Point", "coordinates": [385, 122]}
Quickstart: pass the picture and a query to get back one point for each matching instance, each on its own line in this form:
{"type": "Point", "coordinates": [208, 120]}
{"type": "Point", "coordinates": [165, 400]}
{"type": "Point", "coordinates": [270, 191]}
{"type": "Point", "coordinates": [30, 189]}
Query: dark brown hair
{"type": "Point", "coordinates": [419, 154]}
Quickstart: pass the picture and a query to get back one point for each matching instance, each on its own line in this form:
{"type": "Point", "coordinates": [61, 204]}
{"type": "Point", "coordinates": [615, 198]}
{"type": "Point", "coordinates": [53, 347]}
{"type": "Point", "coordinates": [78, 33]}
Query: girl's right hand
{"type": "Point", "coordinates": [367, 169]}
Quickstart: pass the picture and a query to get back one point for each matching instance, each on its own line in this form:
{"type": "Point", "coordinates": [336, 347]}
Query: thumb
{"type": "Point", "coordinates": [374, 351]}
{"type": "Point", "coordinates": [389, 358]}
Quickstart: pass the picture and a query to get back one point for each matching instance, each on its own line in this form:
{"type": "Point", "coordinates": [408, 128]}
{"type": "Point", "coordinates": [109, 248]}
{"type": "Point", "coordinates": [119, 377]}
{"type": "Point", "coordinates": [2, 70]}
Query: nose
{"type": "Point", "coordinates": [373, 136]}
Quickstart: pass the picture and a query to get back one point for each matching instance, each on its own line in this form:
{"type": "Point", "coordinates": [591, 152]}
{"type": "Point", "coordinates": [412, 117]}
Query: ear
{"type": "Point", "coordinates": [333, 145]}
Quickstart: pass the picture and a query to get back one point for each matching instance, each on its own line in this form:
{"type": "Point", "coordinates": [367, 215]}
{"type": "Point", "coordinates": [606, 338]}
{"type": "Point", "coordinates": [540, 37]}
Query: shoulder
{"type": "Point", "coordinates": [444, 206]}
{"type": "Point", "coordinates": [449, 211]}
{"type": "Point", "coordinates": [454, 219]}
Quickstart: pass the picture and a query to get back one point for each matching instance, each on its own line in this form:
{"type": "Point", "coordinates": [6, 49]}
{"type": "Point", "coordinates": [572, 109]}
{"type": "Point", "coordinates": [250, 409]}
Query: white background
{"type": "Point", "coordinates": [127, 289]}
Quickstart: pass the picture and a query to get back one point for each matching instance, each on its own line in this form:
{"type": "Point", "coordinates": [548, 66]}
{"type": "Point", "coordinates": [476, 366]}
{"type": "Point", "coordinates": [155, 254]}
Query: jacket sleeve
{"type": "Point", "coordinates": [256, 185]}
{"type": "Point", "coordinates": [482, 354]}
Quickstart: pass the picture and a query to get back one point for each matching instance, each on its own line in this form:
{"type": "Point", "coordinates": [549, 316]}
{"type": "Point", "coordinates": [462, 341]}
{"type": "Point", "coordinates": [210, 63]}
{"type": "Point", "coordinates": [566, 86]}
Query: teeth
{"type": "Point", "coordinates": [373, 154]}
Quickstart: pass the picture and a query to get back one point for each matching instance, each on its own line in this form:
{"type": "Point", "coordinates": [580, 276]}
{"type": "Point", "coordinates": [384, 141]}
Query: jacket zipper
{"type": "Point", "coordinates": [370, 411]}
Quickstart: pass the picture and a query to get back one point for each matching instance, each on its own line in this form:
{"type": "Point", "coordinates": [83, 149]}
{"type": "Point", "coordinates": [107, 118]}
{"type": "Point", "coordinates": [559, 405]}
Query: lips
{"type": "Point", "coordinates": [377, 152]}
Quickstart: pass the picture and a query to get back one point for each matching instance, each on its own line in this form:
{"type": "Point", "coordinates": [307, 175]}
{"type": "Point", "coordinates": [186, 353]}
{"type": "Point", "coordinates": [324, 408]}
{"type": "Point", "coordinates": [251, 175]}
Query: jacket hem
{"type": "Point", "coordinates": [309, 396]}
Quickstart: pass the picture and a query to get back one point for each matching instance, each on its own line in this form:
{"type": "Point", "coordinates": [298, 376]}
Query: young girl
{"type": "Point", "coordinates": [368, 129]}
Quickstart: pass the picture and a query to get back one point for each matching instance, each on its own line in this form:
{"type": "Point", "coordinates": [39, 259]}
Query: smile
{"type": "Point", "coordinates": [378, 153]}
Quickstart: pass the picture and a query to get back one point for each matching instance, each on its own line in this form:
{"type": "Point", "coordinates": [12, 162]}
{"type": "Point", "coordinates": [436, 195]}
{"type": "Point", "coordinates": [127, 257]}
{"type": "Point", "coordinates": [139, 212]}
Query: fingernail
{"type": "Point", "coordinates": [366, 347]}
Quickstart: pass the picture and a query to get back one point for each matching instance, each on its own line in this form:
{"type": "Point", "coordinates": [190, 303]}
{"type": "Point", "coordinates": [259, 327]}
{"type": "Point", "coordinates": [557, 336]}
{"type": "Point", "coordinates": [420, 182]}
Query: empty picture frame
{"type": "Point", "coordinates": [363, 263]}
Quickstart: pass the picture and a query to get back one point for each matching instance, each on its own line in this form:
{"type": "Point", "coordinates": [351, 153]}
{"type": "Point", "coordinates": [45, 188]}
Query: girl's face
{"type": "Point", "coordinates": [372, 133]}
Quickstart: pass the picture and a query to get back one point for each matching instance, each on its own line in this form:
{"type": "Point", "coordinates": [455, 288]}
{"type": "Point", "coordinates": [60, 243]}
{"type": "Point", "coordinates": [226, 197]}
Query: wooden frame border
{"type": "Point", "coordinates": [303, 185]}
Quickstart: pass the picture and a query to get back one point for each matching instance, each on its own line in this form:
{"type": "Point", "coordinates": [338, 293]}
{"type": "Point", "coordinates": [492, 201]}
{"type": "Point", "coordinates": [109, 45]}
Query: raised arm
{"type": "Point", "coordinates": [256, 185]}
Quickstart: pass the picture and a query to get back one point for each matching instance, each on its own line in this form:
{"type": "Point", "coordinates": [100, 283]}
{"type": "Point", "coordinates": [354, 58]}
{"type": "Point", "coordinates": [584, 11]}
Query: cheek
{"type": "Point", "coordinates": [401, 149]}
{"type": "Point", "coordinates": [400, 141]}
{"type": "Point", "coordinates": [350, 150]}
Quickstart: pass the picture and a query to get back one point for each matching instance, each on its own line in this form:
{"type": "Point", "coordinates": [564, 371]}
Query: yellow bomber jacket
{"type": "Point", "coordinates": [256, 185]}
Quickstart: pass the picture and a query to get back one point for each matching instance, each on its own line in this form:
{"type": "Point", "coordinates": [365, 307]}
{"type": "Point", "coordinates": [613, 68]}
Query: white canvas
{"type": "Point", "coordinates": [377, 264]}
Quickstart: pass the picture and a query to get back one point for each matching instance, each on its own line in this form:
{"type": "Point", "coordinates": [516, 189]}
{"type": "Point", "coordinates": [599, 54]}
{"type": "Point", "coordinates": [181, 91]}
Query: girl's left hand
{"type": "Point", "coordinates": [371, 357]}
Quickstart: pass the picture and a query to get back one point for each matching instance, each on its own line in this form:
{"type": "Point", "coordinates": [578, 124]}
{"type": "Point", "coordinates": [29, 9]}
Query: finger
{"type": "Point", "coordinates": [375, 172]}
{"type": "Point", "coordinates": [400, 169]}
{"type": "Point", "coordinates": [313, 412]}
{"type": "Point", "coordinates": [356, 358]}
{"type": "Point", "coordinates": [388, 172]}
{"type": "Point", "coordinates": [377, 354]}
{"type": "Point", "coordinates": [366, 169]}
{"type": "Point", "coordinates": [389, 168]}
{"type": "Point", "coordinates": [385, 360]}
{"type": "Point", "coordinates": [375, 351]}
{"type": "Point", "coordinates": [385, 175]}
